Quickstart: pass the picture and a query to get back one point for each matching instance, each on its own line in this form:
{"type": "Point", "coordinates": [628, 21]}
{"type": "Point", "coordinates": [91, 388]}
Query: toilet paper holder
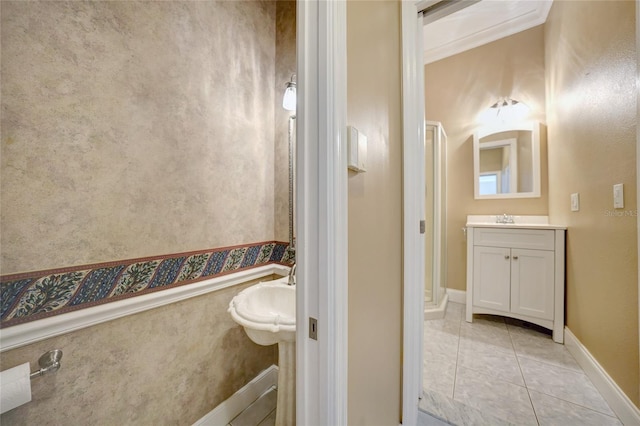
{"type": "Point", "coordinates": [49, 363]}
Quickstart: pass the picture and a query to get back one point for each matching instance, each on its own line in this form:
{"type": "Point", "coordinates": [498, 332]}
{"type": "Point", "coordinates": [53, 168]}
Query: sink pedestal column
{"type": "Point", "coordinates": [286, 405]}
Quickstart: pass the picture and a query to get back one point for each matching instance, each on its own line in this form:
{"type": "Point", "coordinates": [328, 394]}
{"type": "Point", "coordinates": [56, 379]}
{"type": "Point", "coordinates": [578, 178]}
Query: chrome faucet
{"type": "Point", "coordinates": [292, 275]}
{"type": "Point", "coordinates": [505, 218]}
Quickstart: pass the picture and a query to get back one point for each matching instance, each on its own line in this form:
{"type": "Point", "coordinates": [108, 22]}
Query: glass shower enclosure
{"type": "Point", "coordinates": [436, 220]}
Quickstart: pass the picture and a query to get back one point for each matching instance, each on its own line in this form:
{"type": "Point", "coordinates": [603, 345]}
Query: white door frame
{"type": "Point", "coordinates": [321, 380]}
{"type": "Point", "coordinates": [412, 339]}
{"type": "Point", "coordinates": [413, 210]}
{"type": "Point", "coordinates": [321, 213]}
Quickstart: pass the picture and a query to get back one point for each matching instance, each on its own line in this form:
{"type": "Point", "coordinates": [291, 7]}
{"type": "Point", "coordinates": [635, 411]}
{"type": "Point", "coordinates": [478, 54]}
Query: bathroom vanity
{"type": "Point", "coordinates": [515, 268]}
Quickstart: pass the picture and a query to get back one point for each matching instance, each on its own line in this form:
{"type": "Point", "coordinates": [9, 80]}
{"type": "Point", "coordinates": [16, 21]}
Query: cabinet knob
{"type": "Point", "coordinates": [506, 257]}
{"type": "Point", "coordinates": [515, 257]}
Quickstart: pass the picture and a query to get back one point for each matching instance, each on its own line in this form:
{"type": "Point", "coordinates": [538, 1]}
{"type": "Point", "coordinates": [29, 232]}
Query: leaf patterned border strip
{"type": "Point", "coordinates": [35, 295]}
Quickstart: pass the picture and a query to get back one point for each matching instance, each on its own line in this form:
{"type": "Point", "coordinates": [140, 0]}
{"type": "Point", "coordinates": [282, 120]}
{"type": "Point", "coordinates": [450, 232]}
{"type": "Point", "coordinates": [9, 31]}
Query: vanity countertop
{"type": "Point", "coordinates": [519, 222]}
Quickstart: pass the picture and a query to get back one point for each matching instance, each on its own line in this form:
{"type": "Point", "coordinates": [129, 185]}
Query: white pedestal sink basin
{"type": "Point", "coordinates": [267, 312]}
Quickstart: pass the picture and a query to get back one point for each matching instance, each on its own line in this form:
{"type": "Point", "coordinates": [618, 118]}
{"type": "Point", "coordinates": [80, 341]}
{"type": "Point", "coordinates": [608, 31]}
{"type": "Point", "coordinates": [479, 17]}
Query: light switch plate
{"type": "Point", "coordinates": [618, 196]}
{"type": "Point", "coordinates": [356, 150]}
{"type": "Point", "coordinates": [575, 202]}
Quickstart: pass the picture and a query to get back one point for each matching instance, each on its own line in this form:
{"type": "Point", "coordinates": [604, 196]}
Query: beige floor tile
{"type": "Point", "coordinates": [552, 411]}
{"type": "Point", "coordinates": [497, 397]}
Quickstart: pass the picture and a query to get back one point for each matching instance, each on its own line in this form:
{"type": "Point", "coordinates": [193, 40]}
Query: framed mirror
{"type": "Point", "coordinates": [506, 162]}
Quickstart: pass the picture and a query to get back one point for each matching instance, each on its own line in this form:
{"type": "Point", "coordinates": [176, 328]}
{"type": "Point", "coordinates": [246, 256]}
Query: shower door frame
{"type": "Point", "coordinates": [438, 220]}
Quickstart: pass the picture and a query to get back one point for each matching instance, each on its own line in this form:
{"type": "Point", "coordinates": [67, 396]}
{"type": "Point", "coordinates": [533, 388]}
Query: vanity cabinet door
{"type": "Point", "coordinates": [532, 283]}
{"type": "Point", "coordinates": [491, 277]}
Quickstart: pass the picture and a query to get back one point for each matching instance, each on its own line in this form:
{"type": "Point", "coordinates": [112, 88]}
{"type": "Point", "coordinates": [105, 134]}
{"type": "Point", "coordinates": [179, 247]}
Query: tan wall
{"type": "Point", "coordinates": [457, 89]}
{"type": "Point", "coordinates": [591, 110]}
{"type": "Point", "coordinates": [159, 367]}
{"type": "Point", "coordinates": [491, 160]}
{"type": "Point", "coordinates": [375, 214]}
{"type": "Point", "coordinates": [132, 129]}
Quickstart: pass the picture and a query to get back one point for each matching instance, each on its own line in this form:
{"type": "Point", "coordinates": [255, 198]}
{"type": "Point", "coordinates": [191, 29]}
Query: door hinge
{"type": "Point", "coordinates": [422, 226]}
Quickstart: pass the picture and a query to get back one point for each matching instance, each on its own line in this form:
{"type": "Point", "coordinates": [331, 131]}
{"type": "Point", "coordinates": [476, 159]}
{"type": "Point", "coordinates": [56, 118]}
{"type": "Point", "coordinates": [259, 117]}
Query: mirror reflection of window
{"type": "Point", "coordinates": [490, 183]}
{"type": "Point", "coordinates": [500, 156]}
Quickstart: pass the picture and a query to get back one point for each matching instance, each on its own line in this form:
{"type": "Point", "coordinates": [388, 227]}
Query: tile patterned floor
{"type": "Point", "coordinates": [502, 371]}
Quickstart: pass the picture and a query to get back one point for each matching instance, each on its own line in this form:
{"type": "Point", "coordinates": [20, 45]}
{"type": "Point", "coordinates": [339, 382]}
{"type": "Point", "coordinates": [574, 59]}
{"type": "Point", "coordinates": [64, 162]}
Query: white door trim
{"type": "Point", "coordinates": [410, 69]}
{"type": "Point", "coordinates": [321, 213]}
{"type": "Point", "coordinates": [413, 199]}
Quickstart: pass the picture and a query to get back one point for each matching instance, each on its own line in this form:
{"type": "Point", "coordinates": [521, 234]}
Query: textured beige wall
{"type": "Point", "coordinates": [457, 89]}
{"type": "Point", "coordinates": [121, 138]}
{"type": "Point", "coordinates": [285, 66]}
{"type": "Point", "coordinates": [132, 129]}
{"type": "Point", "coordinates": [375, 214]}
{"type": "Point", "coordinates": [163, 366]}
{"type": "Point", "coordinates": [591, 110]}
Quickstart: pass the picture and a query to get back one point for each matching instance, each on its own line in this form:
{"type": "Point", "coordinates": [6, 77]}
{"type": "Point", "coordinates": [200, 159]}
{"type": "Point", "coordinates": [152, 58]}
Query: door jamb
{"type": "Point", "coordinates": [321, 213]}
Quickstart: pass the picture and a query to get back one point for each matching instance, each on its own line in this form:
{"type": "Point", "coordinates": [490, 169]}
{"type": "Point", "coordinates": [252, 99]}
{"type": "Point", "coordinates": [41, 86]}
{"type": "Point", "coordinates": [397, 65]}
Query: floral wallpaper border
{"type": "Point", "coordinates": [35, 295]}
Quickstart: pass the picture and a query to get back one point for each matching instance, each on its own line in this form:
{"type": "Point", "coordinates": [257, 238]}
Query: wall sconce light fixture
{"type": "Point", "coordinates": [505, 111]}
{"type": "Point", "coordinates": [289, 98]}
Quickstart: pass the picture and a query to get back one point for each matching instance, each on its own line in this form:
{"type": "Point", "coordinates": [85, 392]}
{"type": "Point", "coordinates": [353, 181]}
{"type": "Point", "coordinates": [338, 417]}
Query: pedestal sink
{"type": "Point", "coordinates": [267, 312]}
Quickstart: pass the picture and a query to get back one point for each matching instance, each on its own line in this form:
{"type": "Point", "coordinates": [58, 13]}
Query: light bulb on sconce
{"type": "Point", "coordinates": [289, 98]}
{"type": "Point", "coordinates": [505, 111]}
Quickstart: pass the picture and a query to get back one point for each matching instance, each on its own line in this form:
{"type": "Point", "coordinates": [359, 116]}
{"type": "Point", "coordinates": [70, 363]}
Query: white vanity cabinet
{"type": "Point", "coordinates": [517, 272]}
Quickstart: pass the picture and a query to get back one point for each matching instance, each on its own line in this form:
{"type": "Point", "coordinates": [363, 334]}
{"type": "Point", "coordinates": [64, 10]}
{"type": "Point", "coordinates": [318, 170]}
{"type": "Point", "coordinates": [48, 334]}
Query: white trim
{"type": "Point", "coordinates": [626, 410]}
{"type": "Point", "coordinates": [457, 296]}
{"type": "Point", "coordinates": [236, 403]}
{"type": "Point", "coordinates": [437, 312]}
{"type": "Point", "coordinates": [559, 285]}
{"type": "Point", "coordinates": [508, 27]}
{"type": "Point", "coordinates": [413, 201]}
{"type": "Point", "coordinates": [24, 334]}
{"type": "Point", "coordinates": [437, 219]}
{"type": "Point", "coordinates": [321, 382]}
{"type": "Point", "coordinates": [469, 299]}
{"type": "Point", "coordinates": [307, 352]}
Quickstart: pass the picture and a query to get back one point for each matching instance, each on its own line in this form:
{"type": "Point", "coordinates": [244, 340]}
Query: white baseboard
{"type": "Point", "coordinates": [457, 296]}
{"type": "Point", "coordinates": [236, 403]}
{"type": "Point", "coordinates": [626, 410]}
{"type": "Point", "coordinates": [437, 312]}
